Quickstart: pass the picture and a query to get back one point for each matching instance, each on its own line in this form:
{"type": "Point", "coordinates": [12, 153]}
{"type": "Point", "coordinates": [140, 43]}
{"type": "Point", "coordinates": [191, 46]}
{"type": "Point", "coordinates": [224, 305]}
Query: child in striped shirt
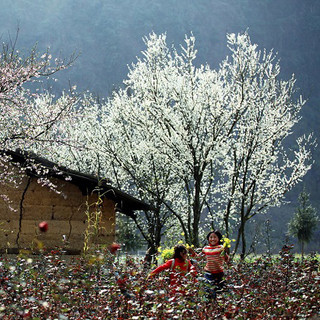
{"type": "Point", "coordinates": [215, 258]}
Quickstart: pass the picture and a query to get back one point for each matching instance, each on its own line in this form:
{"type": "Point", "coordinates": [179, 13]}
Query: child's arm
{"type": "Point", "coordinates": [164, 266]}
{"type": "Point", "coordinates": [194, 254]}
{"type": "Point", "coordinates": [192, 269]}
{"type": "Point", "coordinates": [226, 256]}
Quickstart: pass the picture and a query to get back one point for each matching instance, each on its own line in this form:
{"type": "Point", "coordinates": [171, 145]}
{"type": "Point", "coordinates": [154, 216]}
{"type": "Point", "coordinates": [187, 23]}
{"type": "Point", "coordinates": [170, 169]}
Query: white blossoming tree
{"type": "Point", "coordinates": [164, 135]}
{"type": "Point", "coordinates": [257, 170]}
{"type": "Point", "coordinates": [197, 143]}
{"type": "Point", "coordinates": [26, 115]}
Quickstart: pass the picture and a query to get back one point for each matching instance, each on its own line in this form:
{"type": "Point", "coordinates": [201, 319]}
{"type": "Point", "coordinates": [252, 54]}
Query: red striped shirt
{"type": "Point", "coordinates": [214, 258]}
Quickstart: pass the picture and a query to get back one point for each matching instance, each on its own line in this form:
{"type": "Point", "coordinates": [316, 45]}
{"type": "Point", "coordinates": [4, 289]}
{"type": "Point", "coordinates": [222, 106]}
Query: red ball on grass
{"type": "Point", "coordinates": [43, 226]}
{"type": "Point", "coordinates": [114, 247]}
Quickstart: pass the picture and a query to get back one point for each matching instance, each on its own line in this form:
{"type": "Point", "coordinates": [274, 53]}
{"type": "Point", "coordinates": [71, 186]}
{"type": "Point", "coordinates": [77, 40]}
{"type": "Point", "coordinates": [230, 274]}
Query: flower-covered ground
{"type": "Point", "coordinates": [103, 286]}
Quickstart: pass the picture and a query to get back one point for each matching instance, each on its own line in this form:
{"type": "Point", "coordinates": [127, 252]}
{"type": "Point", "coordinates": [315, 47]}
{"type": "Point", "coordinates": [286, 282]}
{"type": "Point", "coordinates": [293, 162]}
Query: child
{"type": "Point", "coordinates": [215, 257]}
{"type": "Point", "coordinates": [179, 266]}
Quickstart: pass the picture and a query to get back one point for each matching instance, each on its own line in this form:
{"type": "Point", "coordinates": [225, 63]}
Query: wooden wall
{"type": "Point", "coordinates": [64, 212]}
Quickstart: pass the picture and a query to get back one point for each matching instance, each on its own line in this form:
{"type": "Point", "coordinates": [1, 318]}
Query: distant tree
{"type": "Point", "coordinates": [304, 221]}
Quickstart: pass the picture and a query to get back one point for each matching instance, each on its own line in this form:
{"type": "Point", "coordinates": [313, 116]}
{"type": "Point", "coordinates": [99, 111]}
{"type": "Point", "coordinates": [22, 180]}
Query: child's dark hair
{"type": "Point", "coordinates": [177, 251]}
{"type": "Point", "coordinates": [217, 233]}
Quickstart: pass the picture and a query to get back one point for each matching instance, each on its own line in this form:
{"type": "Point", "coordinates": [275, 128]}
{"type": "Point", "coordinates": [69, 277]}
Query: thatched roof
{"type": "Point", "coordinates": [126, 203]}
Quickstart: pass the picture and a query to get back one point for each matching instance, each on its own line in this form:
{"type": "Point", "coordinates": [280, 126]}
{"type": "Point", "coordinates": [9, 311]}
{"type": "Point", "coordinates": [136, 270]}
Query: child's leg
{"type": "Point", "coordinates": [219, 282]}
{"type": "Point", "coordinates": [210, 285]}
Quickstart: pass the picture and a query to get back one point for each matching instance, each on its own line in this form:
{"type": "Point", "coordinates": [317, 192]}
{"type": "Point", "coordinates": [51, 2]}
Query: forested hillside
{"type": "Point", "coordinates": [109, 33]}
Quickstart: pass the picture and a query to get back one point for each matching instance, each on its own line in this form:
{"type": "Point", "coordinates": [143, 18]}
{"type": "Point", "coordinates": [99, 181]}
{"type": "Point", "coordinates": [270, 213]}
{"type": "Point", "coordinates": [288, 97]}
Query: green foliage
{"type": "Point", "coordinates": [127, 233]}
{"type": "Point", "coordinates": [304, 221]}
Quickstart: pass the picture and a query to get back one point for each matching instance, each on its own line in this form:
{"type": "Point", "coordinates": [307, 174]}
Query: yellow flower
{"type": "Point", "coordinates": [226, 242]}
{"type": "Point", "coordinates": [167, 253]}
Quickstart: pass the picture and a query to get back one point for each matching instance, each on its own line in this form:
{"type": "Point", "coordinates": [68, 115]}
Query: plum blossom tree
{"type": "Point", "coordinates": [26, 116]}
{"type": "Point", "coordinates": [163, 133]}
{"type": "Point", "coordinates": [257, 170]}
{"type": "Point", "coordinates": [218, 134]}
{"type": "Point", "coordinates": [194, 142]}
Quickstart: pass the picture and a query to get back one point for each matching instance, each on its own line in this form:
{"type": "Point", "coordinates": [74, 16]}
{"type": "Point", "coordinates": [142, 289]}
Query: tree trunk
{"type": "Point", "coordinates": [151, 253]}
{"type": "Point", "coordinates": [244, 244]}
{"type": "Point", "coordinates": [195, 237]}
{"type": "Point", "coordinates": [196, 210]}
{"type": "Point", "coordinates": [241, 237]}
